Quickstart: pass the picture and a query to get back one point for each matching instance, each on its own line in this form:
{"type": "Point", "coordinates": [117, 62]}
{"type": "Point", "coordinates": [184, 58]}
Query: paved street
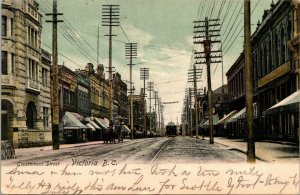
{"type": "Point", "coordinates": [172, 149]}
{"type": "Point", "coordinates": [160, 150]}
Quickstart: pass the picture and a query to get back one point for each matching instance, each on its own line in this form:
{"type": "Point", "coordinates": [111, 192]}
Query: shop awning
{"type": "Point", "coordinates": [240, 114]}
{"type": "Point", "coordinates": [78, 116]}
{"type": "Point", "coordinates": [290, 103]}
{"type": "Point", "coordinates": [215, 121]}
{"type": "Point", "coordinates": [227, 117]}
{"type": "Point", "coordinates": [125, 129]}
{"type": "Point", "coordinates": [71, 122]}
{"type": "Point", "coordinates": [105, 121]}
{"type": "Point", "coordinates": [99, 122]}
{"type": "Point", "coordinates": [95, 125]}
{"type": "Point", "coordinates": [90, 126]}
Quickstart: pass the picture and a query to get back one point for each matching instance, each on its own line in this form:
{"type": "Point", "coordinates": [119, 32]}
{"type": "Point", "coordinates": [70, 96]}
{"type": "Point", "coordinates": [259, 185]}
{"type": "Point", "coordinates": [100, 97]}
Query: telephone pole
{"type": "Point", "coordinates": [190, 112]}
{"type": "Point", "coordinates": [249, 82]}
{"type": "Point", "coordinates": [195, 76]}
{"type": "Point", "coordinates": [155, 106]}
{"type": "Point", "coordinates": [150, 89]}
{"type": "Point", "coordinates": [144, 75]}
{"type": "Point", "coordinates": [159, 115]}
{"type": "Point", "coordinates": [55, 98]}
{"type": "Point", "coordinates": [131, 52]}
{"type": "Point", "coordinates": [110, 18]}
{"type": "Point", "coordinates": [205, 39]}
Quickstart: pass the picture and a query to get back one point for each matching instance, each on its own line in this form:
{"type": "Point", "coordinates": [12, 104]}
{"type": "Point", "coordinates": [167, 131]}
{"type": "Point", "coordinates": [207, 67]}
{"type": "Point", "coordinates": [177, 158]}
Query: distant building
{"type": "Point", "coordinates": [25, 76]}
{"type": "Point", "coordinates": [138, 113]}
{"type": "Point", "coordinates": [120, 109]}
{"type": "Point", "coordinates": [220, 106]}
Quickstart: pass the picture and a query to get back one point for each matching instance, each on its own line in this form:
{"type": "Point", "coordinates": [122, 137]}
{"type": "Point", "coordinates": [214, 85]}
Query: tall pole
{"type": "Point", "coordinates": [150, 89]}
{"type": "Point", "coordinates": [207, 42]}
{"type": "Point", "coordinates": [207, 50]}
{"type": "Point", "coordinates": [196, 101]}
{"type": "Point", "coordinates": [131, 52]}
{"type": "Point", "coordinates": [249, 83]}
{"type": "Point", "coordinates": [55, 90]}
{"type": "Point", "coordinates": [144, 75]}
{"type": "Point", "coordinates": [110, 18]}
{"type": "Point", "coordinates": [191, 116]}
{"type": "Point", "coordinates": [155, 111]}
{"type": "Point", "coordinates": [159, 115]}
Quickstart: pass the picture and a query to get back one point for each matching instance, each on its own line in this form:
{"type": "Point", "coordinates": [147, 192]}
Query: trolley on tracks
{"type": "Point", "coordinates": [171, 129]}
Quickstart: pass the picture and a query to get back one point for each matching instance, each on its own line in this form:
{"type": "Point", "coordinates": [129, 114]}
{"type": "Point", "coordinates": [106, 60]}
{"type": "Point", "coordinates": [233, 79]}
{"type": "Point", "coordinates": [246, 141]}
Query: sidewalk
{"type": "Point", "coordinates": [264, 150]}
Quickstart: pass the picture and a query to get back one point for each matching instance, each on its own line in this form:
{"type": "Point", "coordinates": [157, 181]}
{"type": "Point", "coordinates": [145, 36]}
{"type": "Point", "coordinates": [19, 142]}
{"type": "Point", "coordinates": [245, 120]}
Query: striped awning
{"type": "Point", "coordinates": [71, 122]}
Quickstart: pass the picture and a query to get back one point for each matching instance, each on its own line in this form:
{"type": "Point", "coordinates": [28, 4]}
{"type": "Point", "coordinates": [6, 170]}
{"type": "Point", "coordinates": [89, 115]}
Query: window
{"type": "Point", "coordinates": [4, 26]}
{"type": "Point", "coordinates": [33, 69]}
{"type": "Point", "coordinates": [4, 62]}
{"type": "Point", "coordinates": [44, 76]}
{"type": "Point", "coordinates": [66, 94]}
{"type": "Point", "coordinates": [12, 27]}
{"type": "Point", "coordinates": [276, 63]}
{"type": "Point", "coordinates": [270, 57]}
{"type": "Point", "coordinates": [28, 35]}
{"type": "Point", "coordinates": [266, 65]}
{"type": "Point", "coordinates": [289, 35]}
{"type": "Point", "coordinates": [46, 117]}
{"type": "Point", "coordinates": [35, 40]}
{"type": "Point", "coordinates": [32, 35]}
{"type": "Point", "coordinates": [282, 39]}
{"type": "Point", "coordinates": [12, 62]}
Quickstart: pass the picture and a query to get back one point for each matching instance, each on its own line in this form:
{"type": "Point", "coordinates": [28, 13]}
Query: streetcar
{"type": "Point", "coordinates": [171, 129]}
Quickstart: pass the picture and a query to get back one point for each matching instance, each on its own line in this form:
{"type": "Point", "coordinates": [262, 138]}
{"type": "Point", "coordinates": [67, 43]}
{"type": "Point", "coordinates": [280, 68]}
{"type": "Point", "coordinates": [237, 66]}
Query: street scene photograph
{"type": "Point", "coordinates": [101, 87]}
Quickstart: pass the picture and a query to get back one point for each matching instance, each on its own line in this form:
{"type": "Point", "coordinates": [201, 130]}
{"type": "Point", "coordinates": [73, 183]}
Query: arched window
{"type": "Point", "coordinates": [266, 69]}
{"type": "Point", "coordinates": [276, 44]}
{"type": "Point", "coordinates": [30, 115]}
{"type": "Point", "coordinates": [282, 40]}
{"type": "Point", "coordinates": [289, 30]}
{"type": "Point", "coordinates": [289, 36]}
{"type": "Point", "coordinates": [257, 66]}
{"type": "Point", "coordinates": [270, 57]}
{"type": "Point", "coordinates": [262, 69]}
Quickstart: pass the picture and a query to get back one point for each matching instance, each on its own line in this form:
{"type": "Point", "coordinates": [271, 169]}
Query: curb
{"type": "Point", "coordinates": [239, 150]}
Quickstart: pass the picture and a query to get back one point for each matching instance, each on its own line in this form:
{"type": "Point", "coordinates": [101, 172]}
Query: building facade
{"type": "Point", "coordinates": [236, 83]}
{"type": "Point", "coordinates": [275, 69]}
{"type": "Point", "coordinates": [83, 106]}
{"type": "Point", "coordinates": [67, 90]}
{"type": "Point", "coordinates": [99, 91]}
{"type": "Point", "coordinates": [25, 95]}
{"type": "Point", "coordinates": [120, 110]}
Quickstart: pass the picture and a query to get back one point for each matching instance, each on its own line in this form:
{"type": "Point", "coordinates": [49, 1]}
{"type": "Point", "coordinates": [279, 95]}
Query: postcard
{"type": "Point", "coordinates": [150, 96]}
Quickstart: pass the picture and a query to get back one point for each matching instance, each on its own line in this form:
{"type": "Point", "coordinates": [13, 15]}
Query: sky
{"type": "Point", "coordinates": [163, 31]}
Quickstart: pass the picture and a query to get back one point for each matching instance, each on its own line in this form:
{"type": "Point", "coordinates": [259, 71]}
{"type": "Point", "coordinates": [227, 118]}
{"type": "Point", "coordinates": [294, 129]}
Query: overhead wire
{"type": "Point", "coordinates": [69, 33]}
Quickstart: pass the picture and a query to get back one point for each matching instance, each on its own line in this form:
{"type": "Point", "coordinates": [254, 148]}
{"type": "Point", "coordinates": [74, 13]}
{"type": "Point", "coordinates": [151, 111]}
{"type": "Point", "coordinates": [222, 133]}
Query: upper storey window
{"type": "Point", "coordinates": [4, 26]}
{"type": "Point", "coordinates": [32, 36]}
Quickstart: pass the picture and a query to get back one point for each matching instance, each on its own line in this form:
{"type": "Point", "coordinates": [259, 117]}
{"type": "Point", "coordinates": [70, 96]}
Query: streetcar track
{"type": "Point", "coordinates": [82, 152]}
{"type": "Point", "coordinates": [159, 150]}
